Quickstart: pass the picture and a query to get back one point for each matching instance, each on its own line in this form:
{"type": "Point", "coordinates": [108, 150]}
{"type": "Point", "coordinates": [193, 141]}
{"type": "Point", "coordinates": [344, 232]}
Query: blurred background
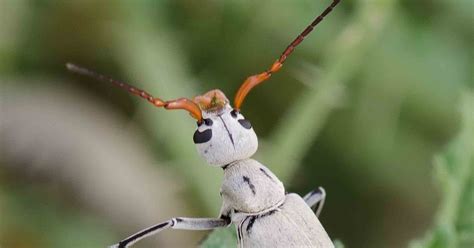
{"type": "Point", "coordinates": [360, 108]}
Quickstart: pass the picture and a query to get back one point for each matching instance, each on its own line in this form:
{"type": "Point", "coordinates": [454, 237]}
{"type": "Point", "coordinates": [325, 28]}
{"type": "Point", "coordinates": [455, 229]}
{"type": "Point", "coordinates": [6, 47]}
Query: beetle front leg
{"type": "Point", "coordinates": [175, 223]}
{"type": "Point", "coordinates": [315, 199]}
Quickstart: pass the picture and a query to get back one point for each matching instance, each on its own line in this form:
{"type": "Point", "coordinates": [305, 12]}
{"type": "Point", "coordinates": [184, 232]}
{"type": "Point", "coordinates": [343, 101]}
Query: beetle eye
{"type": "Point", "coordinates": [245, 123]}
{"type": "Point", "coordinates": [202, 137]}
{"type": "Point", "coordinates": [208, 122]}
{"type": "Point", "coordinates": [234, 113]}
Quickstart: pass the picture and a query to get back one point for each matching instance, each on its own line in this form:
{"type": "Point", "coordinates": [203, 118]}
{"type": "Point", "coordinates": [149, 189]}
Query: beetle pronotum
{"type": "Point", "coordinates": [254, 199]}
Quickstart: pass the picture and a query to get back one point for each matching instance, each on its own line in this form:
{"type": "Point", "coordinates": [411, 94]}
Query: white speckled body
{"type": "Point", "coordinates": [264, 215]}
{"type": "Point", "coordinates": [254, 199]}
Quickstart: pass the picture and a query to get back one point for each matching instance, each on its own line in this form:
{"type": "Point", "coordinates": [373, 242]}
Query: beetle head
{"type": "Point", "coordinates": [224, 135]}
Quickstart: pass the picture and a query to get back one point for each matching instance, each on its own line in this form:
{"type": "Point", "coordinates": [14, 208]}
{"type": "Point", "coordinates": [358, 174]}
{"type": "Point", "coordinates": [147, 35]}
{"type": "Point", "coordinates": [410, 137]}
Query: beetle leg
{"type": "Point", "coordinates": [175, 223]}
{"type": "Point", "coordinates": [315, 199]}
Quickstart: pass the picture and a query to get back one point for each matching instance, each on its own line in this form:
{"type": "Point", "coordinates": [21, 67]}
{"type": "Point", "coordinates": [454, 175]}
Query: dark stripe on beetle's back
{"type": "Point", "coordinates": [253, 218]}
{"type": "Point", "coordinates": [250, 224]}
{"type": "Point", "coordinates": [252, 187]}
{"type": "Point", "coordinates": [266, 173]}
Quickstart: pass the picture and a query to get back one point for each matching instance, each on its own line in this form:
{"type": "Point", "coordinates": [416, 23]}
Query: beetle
{"type": "Point", "coordinates": [254, 199]}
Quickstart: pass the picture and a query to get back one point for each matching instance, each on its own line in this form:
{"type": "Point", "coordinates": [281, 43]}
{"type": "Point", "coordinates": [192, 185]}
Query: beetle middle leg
{"type": "Point", "coordinates": [175, 223]}
{"type": "Point", "coordinates": [315, 199]}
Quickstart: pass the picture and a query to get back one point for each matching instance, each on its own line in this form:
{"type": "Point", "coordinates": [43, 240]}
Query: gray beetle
{"type": "Point", "coordinates": [254, 199]}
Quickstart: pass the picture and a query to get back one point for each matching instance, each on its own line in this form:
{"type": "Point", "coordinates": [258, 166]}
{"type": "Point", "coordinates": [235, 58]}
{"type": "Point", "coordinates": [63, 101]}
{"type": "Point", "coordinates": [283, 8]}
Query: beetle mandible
{"type": "Point", "coordinates": [254, 199]}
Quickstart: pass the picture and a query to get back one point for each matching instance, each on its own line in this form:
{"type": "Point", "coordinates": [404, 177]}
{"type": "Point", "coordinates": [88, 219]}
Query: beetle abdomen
{"type": "Point", "coordinates": [292, 225]}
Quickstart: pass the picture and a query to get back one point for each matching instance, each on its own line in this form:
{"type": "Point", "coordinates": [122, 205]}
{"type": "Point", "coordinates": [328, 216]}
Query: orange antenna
{"type": "Point", "coordinates": [181, 103]}
{"type": "Point", "coordinates": [255, 80]}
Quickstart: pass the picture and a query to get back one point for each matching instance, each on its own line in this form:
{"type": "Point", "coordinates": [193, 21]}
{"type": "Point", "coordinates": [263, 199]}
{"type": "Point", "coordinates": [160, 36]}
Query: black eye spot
{"type": "Point", "coordinates": [202, 137]}
{"type": "Point", "coordinates": [234, 113]}
{"type": "Point", "coordinates": [245, 123]}
{"type": "Point", "coordinates": [208, 122]}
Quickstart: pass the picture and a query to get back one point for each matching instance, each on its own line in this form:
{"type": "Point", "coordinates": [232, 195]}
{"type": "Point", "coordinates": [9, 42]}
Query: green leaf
{"type": "Point", "coordinates": [224, 237]}
{"type": "Point", "coordinates": [338, 244]}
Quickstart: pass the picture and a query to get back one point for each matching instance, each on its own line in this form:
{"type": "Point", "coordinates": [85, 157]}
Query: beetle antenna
{"type": "Point", "coordinates": [181, 103]}
{"type": "Point", "coordinates": [255, 80]}
{"type": "Point", "coordinates": [305, 32]}
{"type": "Point", "coordinates": [141, 93]}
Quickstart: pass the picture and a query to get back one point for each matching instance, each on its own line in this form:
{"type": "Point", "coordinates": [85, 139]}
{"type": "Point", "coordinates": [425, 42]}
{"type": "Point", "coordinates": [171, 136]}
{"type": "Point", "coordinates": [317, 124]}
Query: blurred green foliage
{"type": "Point", "coordinates": [455, 174]}
{"type": "Point", "coordinates": [360, 108]}
{"type": "Point", "coordinates": [38, 223]}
